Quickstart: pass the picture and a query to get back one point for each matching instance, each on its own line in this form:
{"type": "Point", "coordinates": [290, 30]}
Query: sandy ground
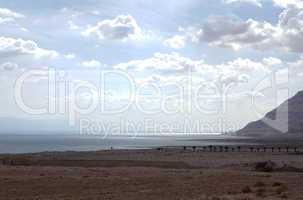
{"type": "Point", "coordinates": [150, 174]}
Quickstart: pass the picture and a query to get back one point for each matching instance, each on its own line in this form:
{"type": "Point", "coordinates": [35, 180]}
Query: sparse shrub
{"type": "Point", "coordinates": [276, 184]}
{"type": "Point", "coordinates": [246, 190]}
{"type": "Point", "coordinates": [260, 184]}
{"type": "Point", "coordinates": [231, 193]}
{"type": "Point", "coordinates": [281, 189]}
{"type": "Point", "coordinates": [268, 166]}
{"type": "Point", "coordinates": [260, 192]}
{"type": "Point", "coordinates": [284, 196]}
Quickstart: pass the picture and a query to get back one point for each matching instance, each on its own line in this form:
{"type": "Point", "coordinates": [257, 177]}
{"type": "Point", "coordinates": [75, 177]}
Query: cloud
{"type": "Point", "coordinates": [6, 20]}
{"type": "Point", "coordinates": [175, 63]}
{"type": "Point", "coordinates": [230, 32]}
{"type": "Point", "coordinates": [69, 56]}
{"type": "Point", "coordinates": [253, 2]}
{"type": "Point", "coordinates": [16, 47]}
{"type": "Point", "coordinates": [120, 28]}
{"type": "Point", "coordinates": [240, 70]}
{"type": "Point", "coordinates": [246, 66]}
{"type": "Point", "coordinates": [8, 66]}
{"type": "Point", "coordinates": [291, 23]}
{"type": "Point", "coordinates": [232, 77]}
{"type": "Point", "coordinates": [173, 67]}
{"type": "Point", "coordinates": [286, 3]}
{"type": "Point", "coordinates": [271, 61]}
{"type": "Point", "coordinates": [4, 12]}
{"type": "Point", "coordinates": [164, 63]}
{"type": "Point", "coordinates": [234, 33]}
{"type": "Point", "coordinates": [72, 25]}
{"type": "Point", "coordinates": [237, 75]}
{"type": "Point", "coordinates": [296, 67]}
{"type": "Point", "coordinates": [91, 63]}
{"type": "Point", "coordinates": [24, 29]}
{"type": "Point", "coordinates": [279, 3]}
{"type": "Point", "coordinates": [175, 42]}
{"type": "Point", "coordinates": [7, 15]}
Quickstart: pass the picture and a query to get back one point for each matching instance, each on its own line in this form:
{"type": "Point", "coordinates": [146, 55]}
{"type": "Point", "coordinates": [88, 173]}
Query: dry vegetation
{"type": "Point", "coordinates": [150, 174]}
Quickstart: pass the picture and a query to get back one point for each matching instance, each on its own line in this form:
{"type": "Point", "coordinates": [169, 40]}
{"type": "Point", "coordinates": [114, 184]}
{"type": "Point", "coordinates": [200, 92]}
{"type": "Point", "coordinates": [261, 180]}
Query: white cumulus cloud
{"type": "Point", "coordinates": [163, 66]}
{"type": "Point", "coordinates": [175, 42]}
{"type": "Point", "coordinates": [230, 32]}
{"type": "Point", "coordinates": [91, 63]}
{"type": "Point", "coordinates": [271, 61]}
{"type": "Point", "coordinates": [72, 25]}
{"type": "Point", "coordinates": [120, 28]}
{"type": "Point", "coordinates": [70, 56]}
{"type": "Point", "coordinates": [253, 2]}
{"type": "Point", "coordinates": [279, 3]}
{"type": "Point", "coordinates": [7, 15]}
{"type": "Point", "coordinates": [15, 47]}
{"type": "Point", "coordinates": [286, 3]}
{"type": "Point", "coordinates": [8, 66]}
{"type": "Point", "coordinates": [164, 63]}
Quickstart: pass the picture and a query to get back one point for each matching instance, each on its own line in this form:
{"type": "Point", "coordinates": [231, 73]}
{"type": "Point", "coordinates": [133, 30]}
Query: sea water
{"type": "Point", "coordinates": [12, 143]}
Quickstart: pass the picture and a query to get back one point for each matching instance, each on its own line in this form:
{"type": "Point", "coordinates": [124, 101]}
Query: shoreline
{"type": "Point", "coordinates": [33, 144]}
{"type": "Point", "coordinates": [216, 147]}
{"type": "Point", "coordinates": [163, 154]}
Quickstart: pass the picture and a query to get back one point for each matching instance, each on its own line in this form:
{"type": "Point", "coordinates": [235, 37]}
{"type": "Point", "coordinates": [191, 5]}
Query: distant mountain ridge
{"type": "Point", "coordinates": [294, 109]}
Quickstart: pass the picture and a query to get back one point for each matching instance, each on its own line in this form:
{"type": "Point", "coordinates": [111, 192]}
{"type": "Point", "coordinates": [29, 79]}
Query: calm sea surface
{"type": "Point", "coordinates": [40, 143]}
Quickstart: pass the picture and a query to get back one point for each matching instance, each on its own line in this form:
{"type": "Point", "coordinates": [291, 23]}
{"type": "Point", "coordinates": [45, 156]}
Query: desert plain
{"type": "Point", "coordinates": [152, 174]}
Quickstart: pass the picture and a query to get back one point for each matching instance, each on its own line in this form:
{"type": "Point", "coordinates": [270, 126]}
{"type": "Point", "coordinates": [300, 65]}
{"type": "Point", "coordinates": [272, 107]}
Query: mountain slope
{"type": "Point", "coordinates": [287, 118]}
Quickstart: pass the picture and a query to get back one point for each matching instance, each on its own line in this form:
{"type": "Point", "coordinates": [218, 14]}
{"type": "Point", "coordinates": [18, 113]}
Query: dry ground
{"type": "Point", "coordinates": [148, 174]}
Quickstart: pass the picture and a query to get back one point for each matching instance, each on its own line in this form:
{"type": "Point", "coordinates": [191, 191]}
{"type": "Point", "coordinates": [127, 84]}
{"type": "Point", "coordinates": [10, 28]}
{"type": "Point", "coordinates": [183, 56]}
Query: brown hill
{"type": "Point", "coordinates": [287, 118]}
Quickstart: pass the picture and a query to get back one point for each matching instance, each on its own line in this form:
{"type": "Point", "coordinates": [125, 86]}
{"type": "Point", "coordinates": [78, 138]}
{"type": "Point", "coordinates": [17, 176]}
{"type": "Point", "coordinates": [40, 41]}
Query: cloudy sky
{"type": "Point", "coordinates": [172, 64]}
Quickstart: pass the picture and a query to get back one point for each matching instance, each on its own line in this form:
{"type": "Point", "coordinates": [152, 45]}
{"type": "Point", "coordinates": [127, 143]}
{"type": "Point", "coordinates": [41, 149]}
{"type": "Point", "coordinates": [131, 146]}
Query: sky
{"type": "Point", "coordinates": [195, 66]}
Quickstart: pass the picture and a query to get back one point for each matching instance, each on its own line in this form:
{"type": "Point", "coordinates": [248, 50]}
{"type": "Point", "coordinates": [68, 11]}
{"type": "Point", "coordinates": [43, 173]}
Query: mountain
{"type": "Point", "coordinates": [287, 118]}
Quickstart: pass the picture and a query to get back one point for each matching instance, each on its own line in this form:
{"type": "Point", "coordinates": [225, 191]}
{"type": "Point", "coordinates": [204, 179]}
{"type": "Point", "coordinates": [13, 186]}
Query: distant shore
{"type": "Point", "coordinates": [39, 143]}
